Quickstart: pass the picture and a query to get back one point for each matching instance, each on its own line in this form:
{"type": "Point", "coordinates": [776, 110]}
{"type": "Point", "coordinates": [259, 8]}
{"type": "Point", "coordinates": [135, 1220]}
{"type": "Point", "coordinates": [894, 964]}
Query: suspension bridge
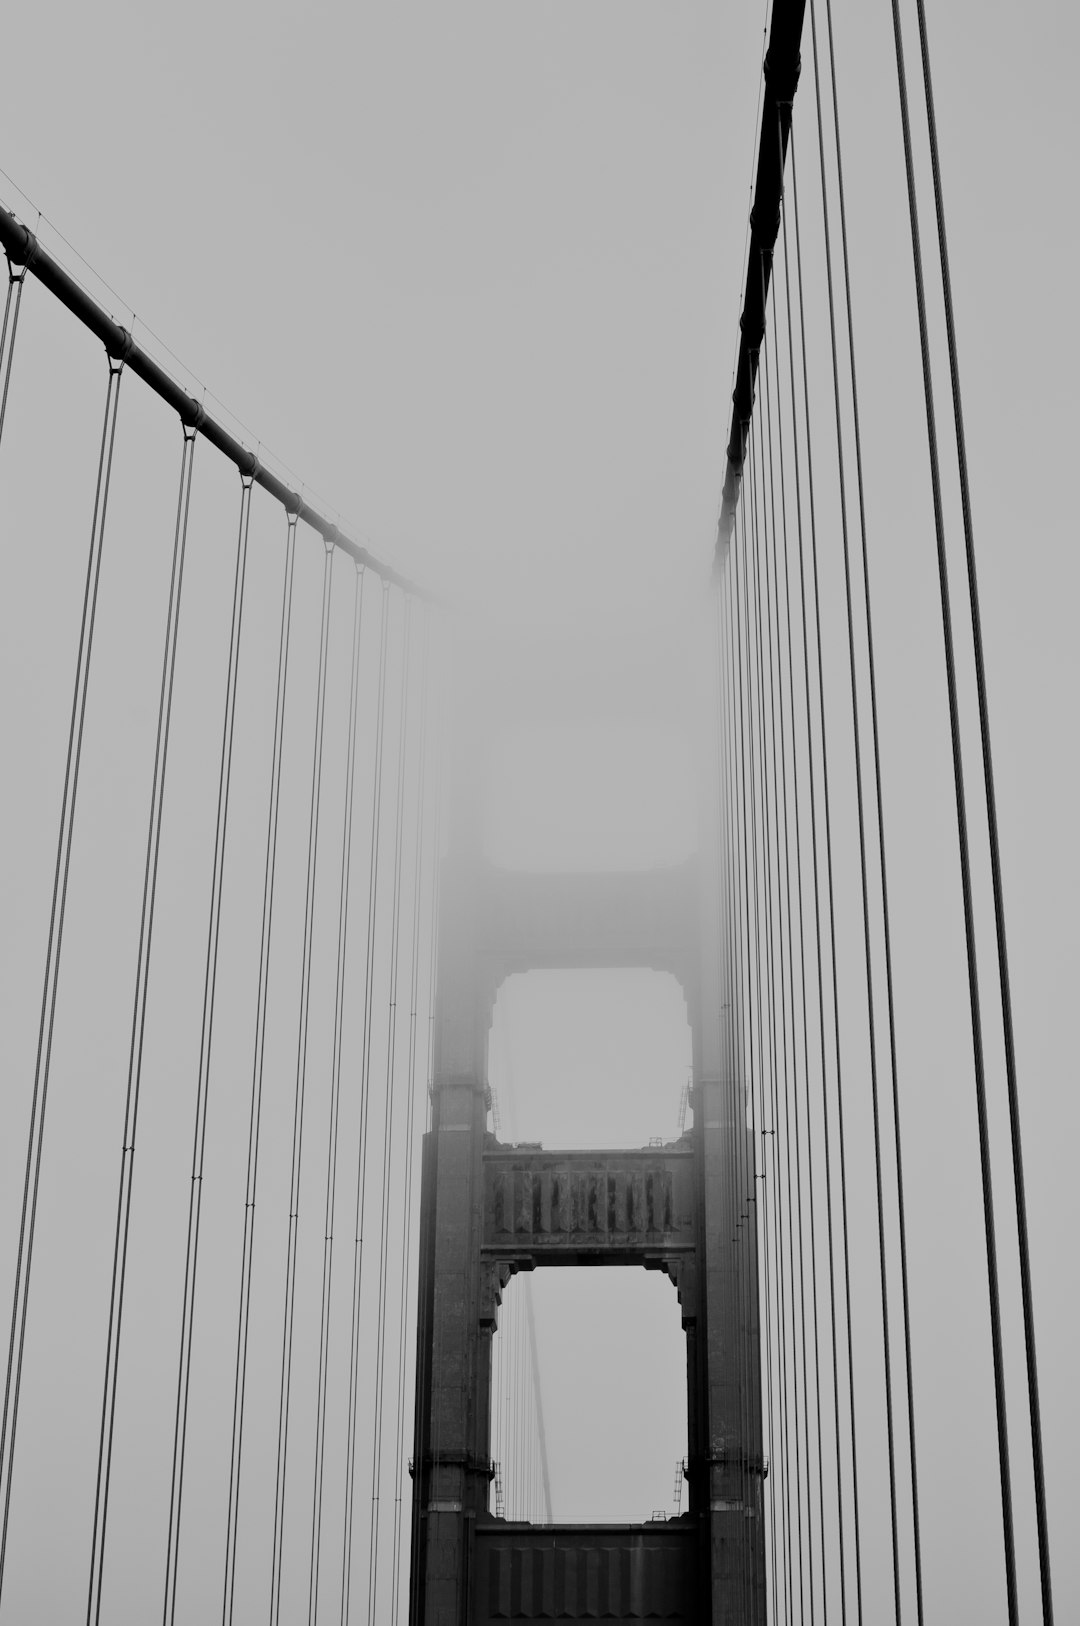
{"type": "Point", "coordinates": [268, 1228]}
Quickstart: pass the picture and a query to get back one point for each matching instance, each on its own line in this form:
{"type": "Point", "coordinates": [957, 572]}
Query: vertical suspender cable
{"type": "Point", "coordinates": [388, 1115]}
{"type": "Point", "coordinates": [791, 1090]}
{"type": "Point", "coordinates": [995, 846]}
{"type": "Point", "coordinates": [886, 932]}
{"type": "Point", "coordinates": [46, 1025]}
{"type": "Point", "coordinates": [12, 304]}
{"type": "Point", "coordinates": [300, 1094]}
{"type": "Point", "coordinates": [740, 1050]}
{"type": "Point", "coordinates": [752, 964]}
{"type": "Point", "coordinates": [793, 1073]}
{"type": "Point", "coordinates": [410, 1122]}
{"type": "Point", "coordinates": [365, 1094]}
{"type": "Point", "coordinates": [811, 1181]}
{"type": "Point", "coordinates": [335, 1102]}
{"type": "Point", "coordinates": [202, 1090]}
{"type": "Point", "coordinates": [255, 1118]}
{"type": "Point", "coordinates": [425, 1338]}
{"type": "Point", "coordinates": [538, 1402]}
{"type": "Point", "coordinates": [777, 1050]}
{"type": "Point", "coordinates": [721, 769]}
{"type": "Point", "coordinates": [830, 896]}
{"type": "Point", "coordinates": [987, 765]}
{"type": "Point", "coordinates": [857, 743]}
{"type": "Point", "coordinates": [778, 1047]}
{"type": "Point", "coordinates": [138, 1036]}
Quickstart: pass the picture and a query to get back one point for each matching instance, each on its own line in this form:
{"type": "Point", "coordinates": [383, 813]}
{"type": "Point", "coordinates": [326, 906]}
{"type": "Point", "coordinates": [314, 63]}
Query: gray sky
{"type": "Point", "coordinates": [473, 273]}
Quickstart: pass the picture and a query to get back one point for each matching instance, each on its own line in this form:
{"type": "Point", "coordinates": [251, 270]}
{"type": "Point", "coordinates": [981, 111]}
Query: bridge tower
{"type": "Point", "coordinates": [489, 1210]}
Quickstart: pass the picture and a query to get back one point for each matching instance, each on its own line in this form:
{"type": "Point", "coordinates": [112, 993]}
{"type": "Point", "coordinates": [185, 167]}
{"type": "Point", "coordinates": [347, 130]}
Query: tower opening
{"type": "Point", "coordinates": [588, 1398]}
{"type": "Point", "coordinates": [590, 1058]}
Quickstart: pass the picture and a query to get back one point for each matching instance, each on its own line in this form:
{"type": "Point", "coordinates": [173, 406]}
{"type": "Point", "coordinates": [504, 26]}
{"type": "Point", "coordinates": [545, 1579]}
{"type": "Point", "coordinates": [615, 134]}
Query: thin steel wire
{"type": "Point", "coordinates": [811, 1178]}
{"type": "Point", "coordinates": [299, 1097]}
{"type": "Point", "coordinates": [335, 1100]}
{"type": "Point", "coordinates": [255, 1113]}
{"type": "Point", "coordinates": [35, 1138]}
{"type": "Point", "coordinates": [1008, 1534]}
{"type": "Point", "coordinates": [997, 884]}
{"type": "Point", "coordinates": [830, 893]}
{"type": "Point", "coordinates": [386, 1191]}
{"type": "Point", "coordinates": [12, 306]}
{"type": "Point", "coordinates": [202, 1088]}
{"type": "Point", "coordinates": [791, 1099]}
{"type": "Point", "coordinates": [111, 1384]}
{"type": "Point", "coordinates": [410, 1122]}
{"type": "Point", "coordinates": [365, 1096]}
{"type": "Point", "coordinates": [777, 1028]}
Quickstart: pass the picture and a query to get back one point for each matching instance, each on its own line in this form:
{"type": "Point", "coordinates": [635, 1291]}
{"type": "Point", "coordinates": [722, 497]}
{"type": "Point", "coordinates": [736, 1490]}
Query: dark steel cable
{"type": "Point", "coordinates": [994, 843]}
{"type": "Point", "coordinates": [775, 961]}
{"type": "Point", "coordinates": [12, 305]}
{"type": "Point", "coordinates": [436, 903]}
{"type": "Point", "coordinates": [410, 1122]}
{"type": "Point", "coordinates": [35, 1138]}
{"type": "Point", "coordinates": [791, 801]}
{"type": "Point", "coordinates": [299, 1096]}
{"type": "Point", "coordinates": [255, 1111]}
{"type": "Point", "coordinates": [737, 1182]}
{"type": "Point", "coordinates": [110, 1387]}
{"type": "Point", "coordinates": [775, 966]}
{"type": "Point", "coordinates": [747, 1158]}
{"type": "Point", "coordinates": [753, 987]}
{"type": "Point", "coordinates": [725, 1041]}
{"type": "Point", "coordinates": [811, 1181]}
{"type": "Point", "coordinates": [21, 243]}
{"type": "Point", "coordinates": [202, 1088]}
{"type": "Point", "coordinates": [834, 980]}
{"type": "Point", "coordinates": [857, 743]}
{"type": "Point", "coordinates": [425, 1335]}
{"type": "Point", "coordinates": [791, 1080]}
{"type": "Point", "coordinates": [365, 1097]}
{"type": "Point", "coordinates": [742, 617]}
{"type": "Point", "coordinates": [997, 884]}
{"type": "Point", "coordinates": [778, 1045]}
{"type": "Point", "coordinates": [791, 1101]}
{"type": "Point", "coordinates": [752, 969]}
{"type": "Point", "coordinates": [335, 1099]}
{"type": "Point", "coordinates": [886, 932]}
{"type": "Point", "coordinates": [386, 1191]}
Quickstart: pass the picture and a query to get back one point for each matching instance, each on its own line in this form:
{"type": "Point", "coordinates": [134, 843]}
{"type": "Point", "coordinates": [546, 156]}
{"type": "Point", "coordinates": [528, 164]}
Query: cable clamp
{"type": "Point", "coordinates": [193, 417]}
{"type": "Point", "coordinates": [21, 254]}
{"type": "Point", "coordinates": [119, 346]}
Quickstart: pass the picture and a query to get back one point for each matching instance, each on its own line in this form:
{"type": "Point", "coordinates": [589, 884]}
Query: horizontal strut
{"type": "Point", "coordinates": [23, 248]}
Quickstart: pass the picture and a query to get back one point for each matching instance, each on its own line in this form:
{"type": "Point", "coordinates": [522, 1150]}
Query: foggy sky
{"type": "Point", "coordinates": [473, 273]}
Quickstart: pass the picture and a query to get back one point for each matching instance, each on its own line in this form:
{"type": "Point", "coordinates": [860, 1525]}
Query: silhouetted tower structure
{"type": "Point", "coordinates": [489, 1210]}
